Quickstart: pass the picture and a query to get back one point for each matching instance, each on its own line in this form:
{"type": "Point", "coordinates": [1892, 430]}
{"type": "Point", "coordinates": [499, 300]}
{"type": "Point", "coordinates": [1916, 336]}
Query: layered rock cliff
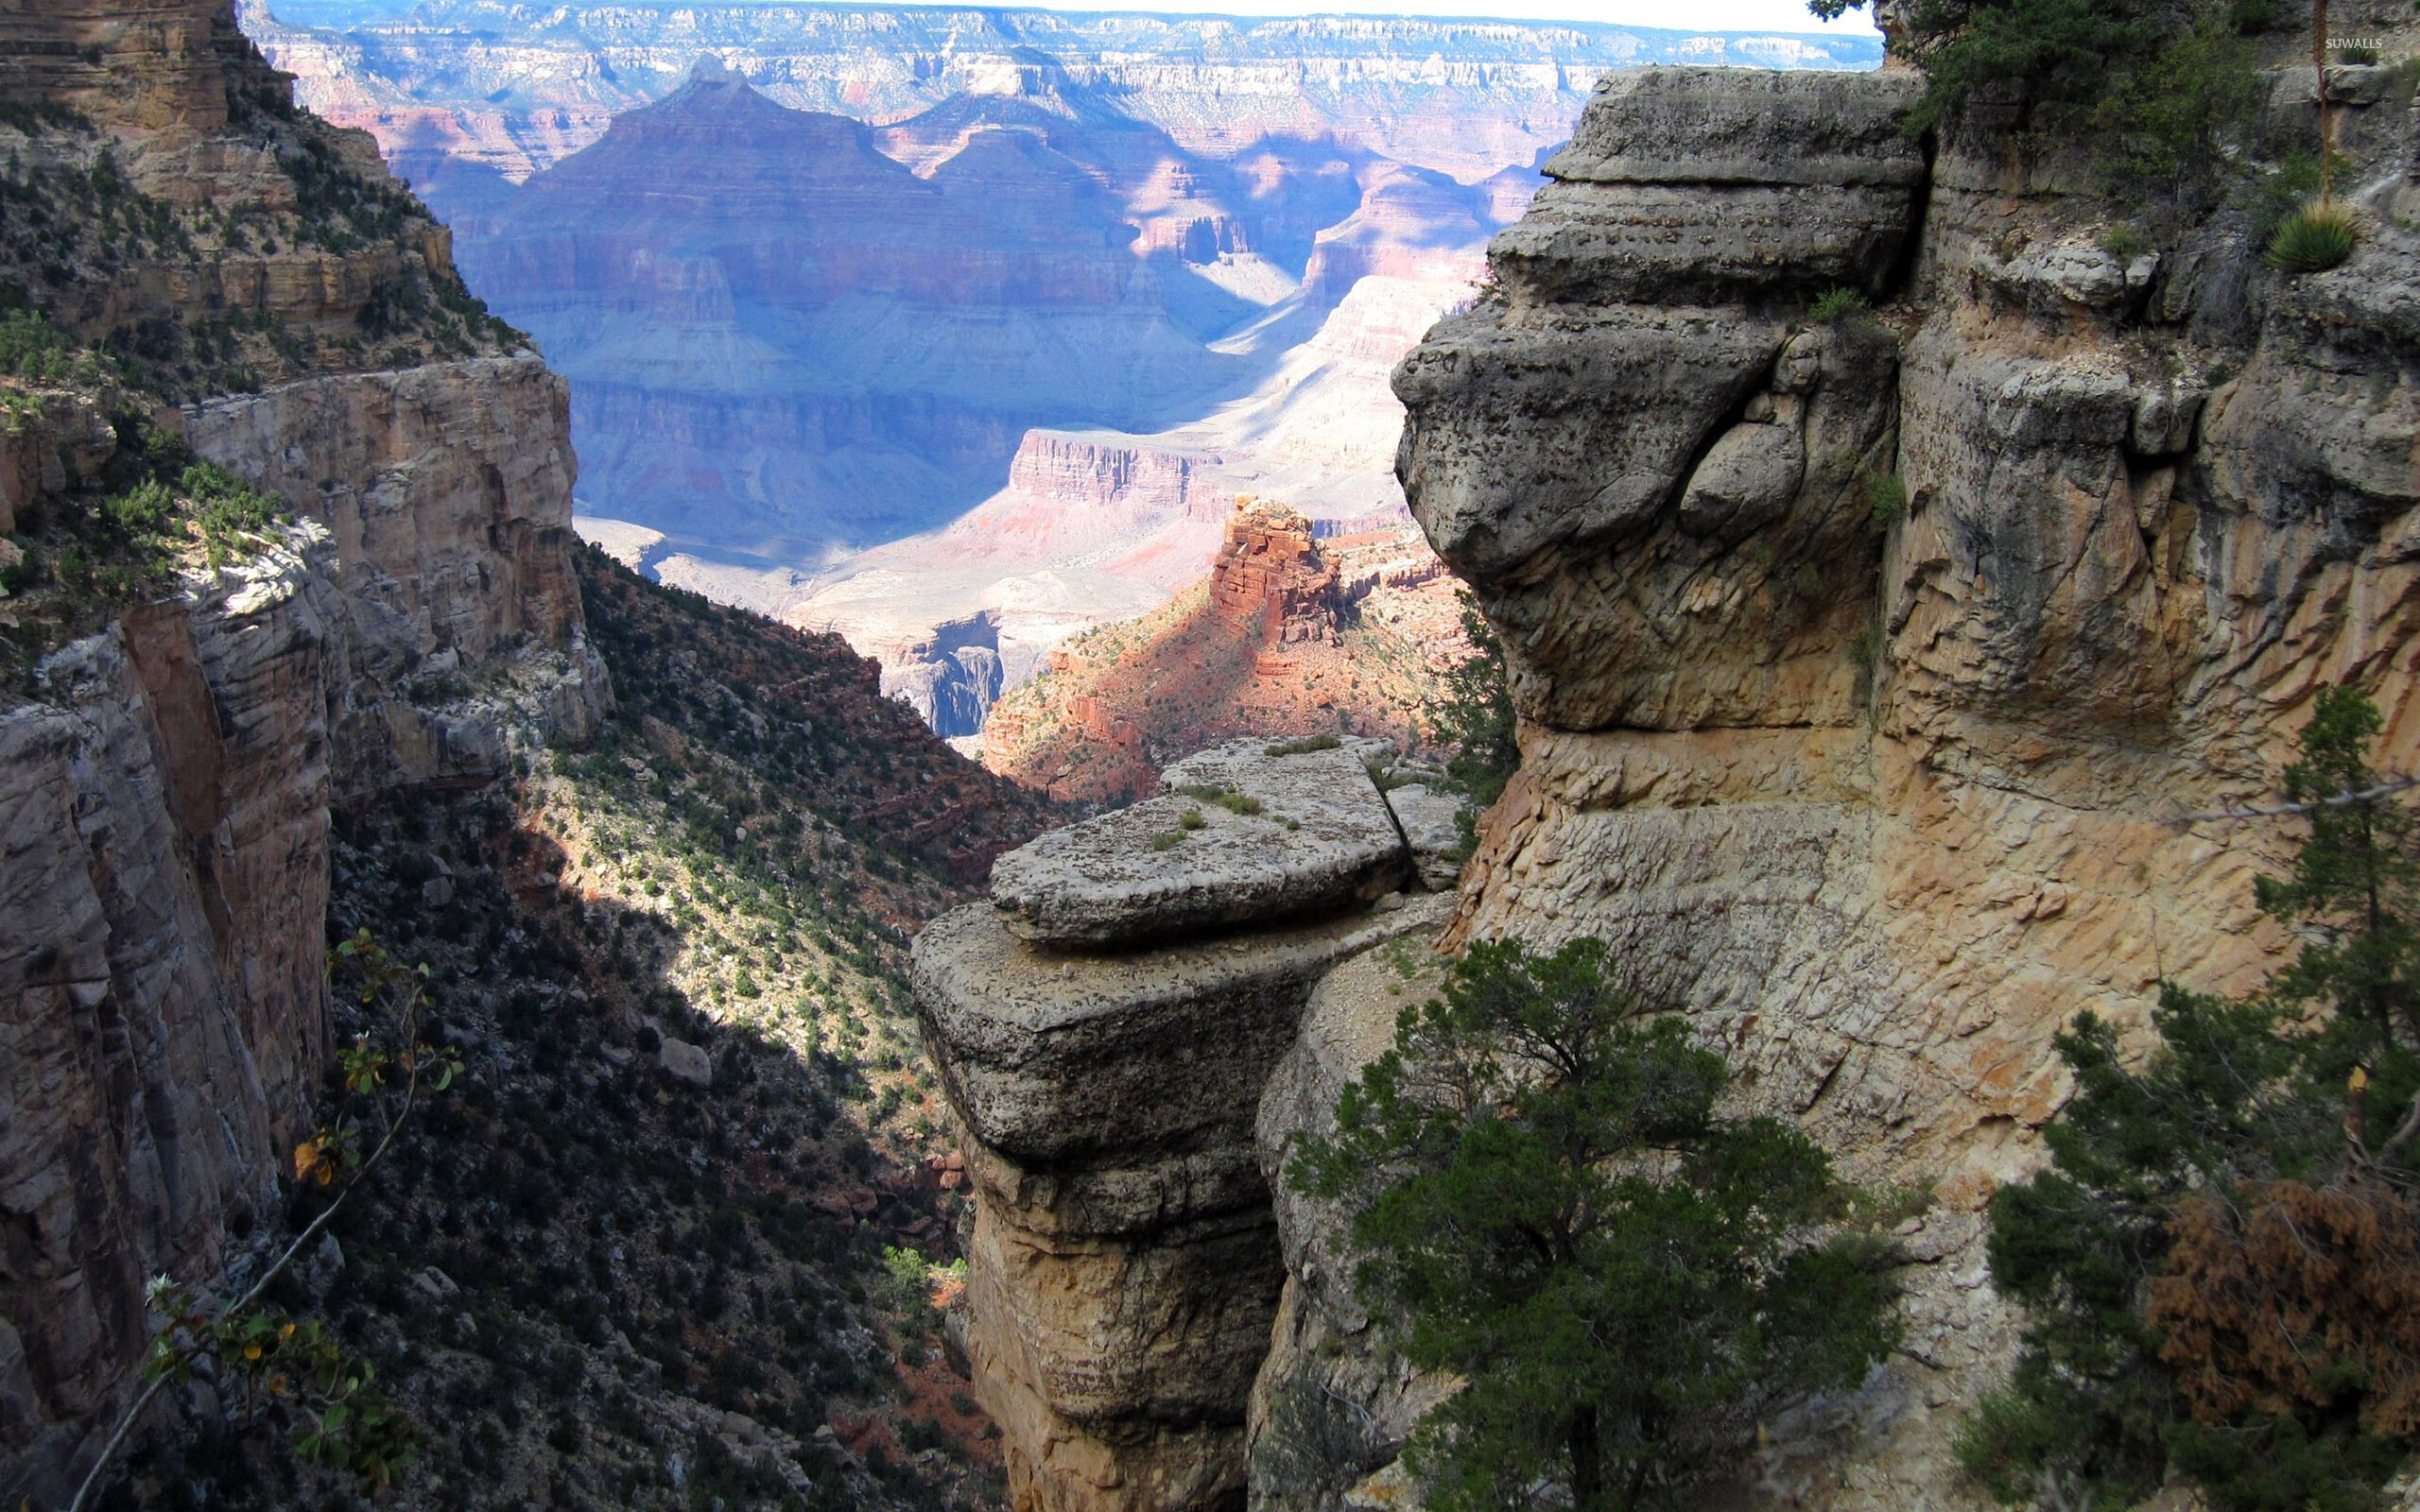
{"type": "Point", "coordinates": [510, 90]}
{"type": "Point", "coordinates": [166, 788]}
{"type": "Point", "coordinates": [1869, 669]}
{"type": "Point", "coordinates": [1103, 1028]}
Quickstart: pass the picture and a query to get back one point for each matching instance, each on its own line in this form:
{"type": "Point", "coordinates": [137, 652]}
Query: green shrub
{"type": "Point", "coordinates": [1305, 746]}
{"type": "Point", "coordinates": [142, 510]}
{"type": "Point", "coordinates": [2250, 18]}
{"type": "Point", "coordinates": [1551, 1207]}
{"type": "Point", "coordinates": [227, 510]}
{"type": "Point", "coordinates": [2356, 55]}
{"type": "Point", "coordinates": [2149, 86]}
{"type": "Point", "coordinates": [2311, 241]}
{"type": "Point", "coordinates": [1475, 718]}
{"type": "Point", "coordinates": [2124, 242]}
{"type": "Point", "coordinates": [1232, 802]}
{"type": "Point", "coordinates": [1886, 497]}
{"type": "Point", "coordinates": [1835, 306]}
{"type": "Point", "coordinates": [2216, 1269]}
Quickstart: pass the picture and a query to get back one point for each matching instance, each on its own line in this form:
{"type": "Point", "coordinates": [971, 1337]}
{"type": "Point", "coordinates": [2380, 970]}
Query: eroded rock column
{"type": "Point", "coordinates": [1105, 1027]}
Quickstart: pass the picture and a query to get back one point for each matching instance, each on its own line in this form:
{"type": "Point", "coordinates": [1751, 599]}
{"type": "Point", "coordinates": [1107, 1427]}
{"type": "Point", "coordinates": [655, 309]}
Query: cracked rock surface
{"type": "Point", "coordinates": [1297, 834]}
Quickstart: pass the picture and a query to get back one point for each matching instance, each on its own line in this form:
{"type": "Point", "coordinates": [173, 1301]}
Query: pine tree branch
{"type": "Point", "coordinates": [2397, 785]}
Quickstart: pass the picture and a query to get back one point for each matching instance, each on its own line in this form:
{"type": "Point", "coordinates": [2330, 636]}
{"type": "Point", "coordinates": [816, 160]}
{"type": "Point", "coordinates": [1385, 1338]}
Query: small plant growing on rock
{"type": "Point", "coordinates": [1476, 720]}
{"type": "Point", "coordinates": [1886, 497]}
{"type": "Point", "coordinates": [1548, 1205]}
{"type": "Point", "coordinates": [2312, 240]}
{"type": "Point", "coordinates": [1305, 746]}
{"type": "Point", "coordinates": [1836, 306]}
{"type": "Point", "coordinates": [1232, 803]}
{"type": "Point", "coordinates": [2124, 242]}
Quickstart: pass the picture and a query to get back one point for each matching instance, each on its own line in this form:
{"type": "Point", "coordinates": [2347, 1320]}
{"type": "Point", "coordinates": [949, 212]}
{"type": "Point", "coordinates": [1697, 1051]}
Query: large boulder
{"type": "Point", "coordinates": [1251, 831]}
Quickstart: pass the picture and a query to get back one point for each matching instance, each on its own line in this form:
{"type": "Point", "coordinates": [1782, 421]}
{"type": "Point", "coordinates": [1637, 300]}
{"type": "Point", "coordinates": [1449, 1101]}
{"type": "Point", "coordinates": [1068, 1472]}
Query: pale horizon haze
{"type": "Point", "coordinates": [1671, 15]}
{"type": "Point", "coordinates": [1674, 15]}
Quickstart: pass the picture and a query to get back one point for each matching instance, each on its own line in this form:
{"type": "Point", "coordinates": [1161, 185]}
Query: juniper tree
{"type": "Point", "coordinates": [1551, 1207]}
{"type": "Point", "coordinates": [2221, 1266]}
{"type": "Point", "coordinates": [1475, 715]}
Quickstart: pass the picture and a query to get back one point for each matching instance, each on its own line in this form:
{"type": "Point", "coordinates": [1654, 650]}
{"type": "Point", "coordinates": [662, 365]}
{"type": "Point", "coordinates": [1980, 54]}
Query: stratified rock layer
{"type": "Point", "coordinates": [447, 490]}
{"type": "Point", "coordinates": [165, 803]}
{"type": "Point", "coordinates": [1303, 832]}
{"type": "Point", "coordinates": [1125, 1271]}
{"type": "Point", "coordinates": [1866, 667]}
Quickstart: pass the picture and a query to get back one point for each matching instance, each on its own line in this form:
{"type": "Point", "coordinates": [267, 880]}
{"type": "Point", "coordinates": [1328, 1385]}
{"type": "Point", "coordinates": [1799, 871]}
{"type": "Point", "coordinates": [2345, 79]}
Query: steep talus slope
{"type": "Point", "coordinates": [1869, 668]}
{"type": "Point", "coordinates": [203, 678]}
{"type": "Point", "coordinates": [635, 1256]}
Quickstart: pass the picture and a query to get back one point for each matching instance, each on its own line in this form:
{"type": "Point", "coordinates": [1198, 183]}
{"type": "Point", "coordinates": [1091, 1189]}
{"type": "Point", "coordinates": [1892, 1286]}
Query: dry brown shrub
{"type": "Point", "coordinates": [2295, 1298]}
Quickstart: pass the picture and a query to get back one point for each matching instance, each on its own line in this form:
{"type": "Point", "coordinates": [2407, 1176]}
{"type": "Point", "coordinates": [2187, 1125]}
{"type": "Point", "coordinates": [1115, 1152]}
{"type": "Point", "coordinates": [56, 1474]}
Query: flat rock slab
{"type": "Point", "coordinates": [1070, 1064]}
{"type": "Point", "coordinates": [1431, 820]}
{"type": "Point", "coordinates": [1263, 837]}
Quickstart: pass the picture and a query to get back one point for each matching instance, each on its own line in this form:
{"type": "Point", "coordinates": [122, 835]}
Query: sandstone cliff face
{"type": "Point", "coordinates": [1882, 810]}
{"type": "Point", "coordinates": [162, 880]}
{"type": "Point", "coordinates": [163, 196]}
{"type": "Point", "coordinates": [1105, 1060]}
{"type": "Point", "coordinates": [447, 491]}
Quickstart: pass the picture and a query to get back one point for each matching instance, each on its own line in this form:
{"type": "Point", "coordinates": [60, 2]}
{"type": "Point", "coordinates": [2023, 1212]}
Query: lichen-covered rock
{"type": "Point", "coordinates": [1302, 833]}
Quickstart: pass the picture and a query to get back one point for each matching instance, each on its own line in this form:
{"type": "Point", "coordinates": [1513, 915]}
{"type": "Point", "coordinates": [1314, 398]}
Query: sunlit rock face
{"type": "Point", "coordinates": [1867, 667]}
{"type": "Point", "coordinates": [1105, 1026]}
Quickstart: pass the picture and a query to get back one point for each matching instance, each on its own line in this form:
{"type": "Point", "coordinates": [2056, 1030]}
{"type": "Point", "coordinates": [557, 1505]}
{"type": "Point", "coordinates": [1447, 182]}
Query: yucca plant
{"type": "Point", "coordinates": [2311, 240]}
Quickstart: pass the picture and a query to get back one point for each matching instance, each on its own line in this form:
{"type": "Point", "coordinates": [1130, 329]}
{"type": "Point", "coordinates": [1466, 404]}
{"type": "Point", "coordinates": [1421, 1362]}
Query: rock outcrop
{"type": "Point", "coordinates": [1125, 1268]}
{"type": "Point", "coordinates": [1868, 670]}
{"type": "Point", "coordinates": [1881, 795]}
{"type": "Point", "coordinates": [166, 791]}
{"type": "Point", "coordinates": [1291, 633]}
{"type": "Point", "coordinates": [447, 492]}
{"type": "Point", "coordinates": [1268, 573]}
{"type": "Point", "coordinates": [163, 880]}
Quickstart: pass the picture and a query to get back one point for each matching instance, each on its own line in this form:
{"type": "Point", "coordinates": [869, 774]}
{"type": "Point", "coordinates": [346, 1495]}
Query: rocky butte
{"type": "Point", "coordinates": [1879, 797]}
